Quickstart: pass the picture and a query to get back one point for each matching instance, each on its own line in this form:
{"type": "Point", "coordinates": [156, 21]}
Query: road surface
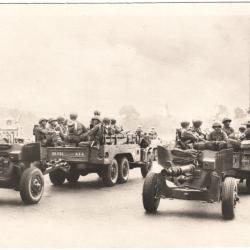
{"type": "Point", "coordinates": [88, 214]}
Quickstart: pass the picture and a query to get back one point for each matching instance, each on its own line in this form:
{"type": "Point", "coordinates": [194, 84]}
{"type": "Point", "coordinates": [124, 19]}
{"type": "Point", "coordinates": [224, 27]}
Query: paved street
{"type": "Point", "coordinates": [90, 215]}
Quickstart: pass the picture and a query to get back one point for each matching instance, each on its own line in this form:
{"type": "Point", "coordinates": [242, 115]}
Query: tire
{"type": "Point", "coordinates": [110, 174]}
{"type": "Point", "coordinates": [155, 152]}
{"type": "Point", "coordinates": [31, 185]}
{"type": "Point", "coordinates": [57, 177]}
{"type": "Point", "coordinates": [73, 175]}
{"type": "Point", "coordinates": [123, 170]}
{"type": "Point", "coordinates": [148, 166]}
{"type": "Point", "coordinates": [149, 192]}
{"type": "Point", "coordinates": [229, 196]}
{"type": "Point", "coordinates": [248, 185]}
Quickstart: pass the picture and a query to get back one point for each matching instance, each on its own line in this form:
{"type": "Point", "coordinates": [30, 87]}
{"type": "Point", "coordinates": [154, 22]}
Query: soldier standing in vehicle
{"type": "Point", "coordinates": [139, 134]}
{"type": "Point", "coordinates": [97, 134]}
{"type": "Point", "coordinates": [79, 128]}
{"type": "Point", "coordinates": [96, 118]}
{"type": "Point", "coordinates": [94, 121]}
{"type": "Point", "coordinates": [42, 132]}
{"type": "Point", "coordinates": [226, 128]}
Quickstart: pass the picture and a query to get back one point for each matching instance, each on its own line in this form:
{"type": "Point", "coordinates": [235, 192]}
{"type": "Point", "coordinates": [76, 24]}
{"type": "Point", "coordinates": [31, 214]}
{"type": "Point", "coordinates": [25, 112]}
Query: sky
{"type": "Point", "coordinates": [62, 58]}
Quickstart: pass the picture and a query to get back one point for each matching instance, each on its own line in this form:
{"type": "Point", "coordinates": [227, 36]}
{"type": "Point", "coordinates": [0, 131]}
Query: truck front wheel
{"type": "Point", "coordinates": [110, 174]}
{"type": "Point", "coordinates": [31, 185]}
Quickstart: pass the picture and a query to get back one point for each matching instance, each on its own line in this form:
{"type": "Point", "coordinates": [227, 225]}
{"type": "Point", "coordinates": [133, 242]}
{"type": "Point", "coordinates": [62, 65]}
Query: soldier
{"type": "Point", "coordinates": [54, 137]}
{"type": "Point", "coordinates": [181, 136]}
{"type": "Point", "coordinates": [218, 134]}
{"type": "Point", "coordinates": [71, 136]}
{"type": "Point", "coordinates": [62, 124]}
{"type": "Point", "coordinates": [226, 128]}
{"type": "Point", "coordinates": [240, 135]}
{"type": "Point", "coordinates": [96, 117]}
{"type": "Point", "coordinates": [139, 133]}
{"type": "Point", "coordinates": [114, 128]}
{"type": "Point", "coordinates": [94, 121]}
{"type": "Point", "coordinates": [79, 128]}
{"type": "Point", "coordinates": [42, 132]}
{"type": "Point", "coordinates": [196, 129]}
{"type": "Point", "coordinates": [97, 133]}
{"type": "Point", "coordinates": [246, 135]}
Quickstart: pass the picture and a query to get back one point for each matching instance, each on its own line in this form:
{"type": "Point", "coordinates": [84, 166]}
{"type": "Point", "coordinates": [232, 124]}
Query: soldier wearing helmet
{"type": "Point", "coordinates": [240, 135]}
{"type": "Point", "coordinates": [97, 134]}
{"type": "Point", "coordinates": [184, 136]}
{"type": "Point", "coordinates": [54, 137]}
{"type": "Point", "coordinates": [114, 128]}
{"type": "Point", "coordinates": [196, 129]}
{"type": "Point", "coordinates": [41, 132]}
{"type": "Point", "coordinates": [152, 133]}
{"type": "Point", "coordinates": [94, 121]}
{"type": "Point", "coordinates": [218, 134]}
{"type": "Point", "coordinates": [79, 128]}
{"type": "Point", "coordinates": [226, 126]}
{"type": "Point", "coordinates": [246, 135]}
{"type": "Point", "coordinates": [62, 125]}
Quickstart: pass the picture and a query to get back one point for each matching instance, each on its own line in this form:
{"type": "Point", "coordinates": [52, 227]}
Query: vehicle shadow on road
{"type": "Point", "coordinates": [242, 189]}
{"type": "Point", "coordinates": [187, 214]}
{"type": "Point", "coordinates": [12, 202]}
{"type": "Point", "coordinates": [93, 184]}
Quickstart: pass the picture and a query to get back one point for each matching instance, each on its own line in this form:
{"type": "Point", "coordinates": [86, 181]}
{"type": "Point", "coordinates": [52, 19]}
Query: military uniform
{"type": "Point", "coordinates": [217, 135]}
{"type": "Point", "coordinates": [226, 128]}
{"type": "Point", "coordinates": [54, 137]}
{"type": "Point", "coordinates": [97, 134]}
{"type": "Point", "coordinates": [41, 133]}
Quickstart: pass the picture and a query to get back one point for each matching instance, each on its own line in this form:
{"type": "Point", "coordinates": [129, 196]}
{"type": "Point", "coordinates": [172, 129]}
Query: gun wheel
{"type": "Point", "coordinates": [229, 197]}
{"type": "Point", "coordinates": [149, 194]}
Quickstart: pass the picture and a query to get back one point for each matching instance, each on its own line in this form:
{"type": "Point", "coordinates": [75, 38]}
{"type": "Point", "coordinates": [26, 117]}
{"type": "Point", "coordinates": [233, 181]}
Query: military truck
{"type": "Point", "coordinates": [111, 161]}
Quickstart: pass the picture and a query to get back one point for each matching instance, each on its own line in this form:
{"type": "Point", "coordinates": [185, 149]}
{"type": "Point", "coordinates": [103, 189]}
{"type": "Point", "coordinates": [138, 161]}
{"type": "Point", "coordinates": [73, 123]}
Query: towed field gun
{"type": "Point", "coordinates": [193, 175]}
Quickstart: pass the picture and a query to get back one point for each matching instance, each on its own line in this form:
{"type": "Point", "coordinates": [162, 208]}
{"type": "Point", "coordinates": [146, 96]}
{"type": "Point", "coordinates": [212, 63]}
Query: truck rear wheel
{"type": "Point", "coordinates": [31, 185]}
{"type": "Point", "coordinates": [73, 175]}
{"type": "Point", "coordinates": [147, 166]}
{"type": "Point", "coordinates": [123, 170]}
{"type": "Point", "coordinates": [110, 174]}
{"type": "Point", "coordinates": [229, 197]}
{"type": "Point", "coordinates": [149, 193]}
{"type": "Point", "coordinates": [57, 177]}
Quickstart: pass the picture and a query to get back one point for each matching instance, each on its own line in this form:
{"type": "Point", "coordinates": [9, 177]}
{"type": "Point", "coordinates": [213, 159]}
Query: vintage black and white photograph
{"type": "Point", "coordinates": [124, 125]}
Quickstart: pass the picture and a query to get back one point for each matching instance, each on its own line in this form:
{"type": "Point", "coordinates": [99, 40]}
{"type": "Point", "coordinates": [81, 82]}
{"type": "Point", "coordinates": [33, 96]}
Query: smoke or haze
{"type": "Point", "coordinates": [60, 58]}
